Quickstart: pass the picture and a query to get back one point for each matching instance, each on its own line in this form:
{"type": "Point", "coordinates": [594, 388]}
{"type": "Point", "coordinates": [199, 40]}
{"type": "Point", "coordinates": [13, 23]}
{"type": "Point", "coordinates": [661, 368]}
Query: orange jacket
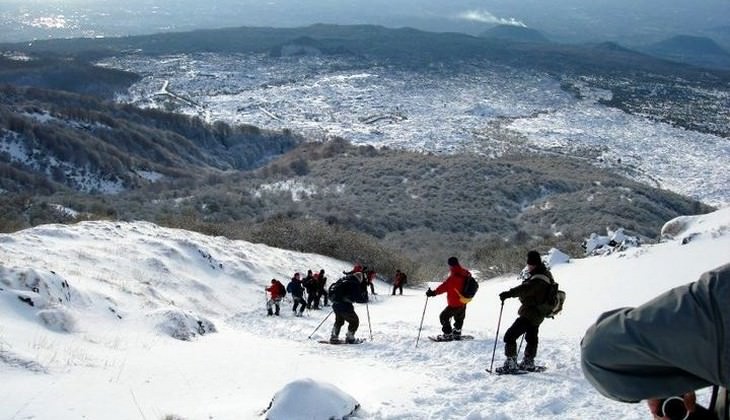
{"type": "Point", "coordinates": [453, 285]}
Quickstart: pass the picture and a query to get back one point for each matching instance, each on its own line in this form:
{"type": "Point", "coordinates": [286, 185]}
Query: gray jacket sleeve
{"type": "Point", "coordinates": [673, 344]}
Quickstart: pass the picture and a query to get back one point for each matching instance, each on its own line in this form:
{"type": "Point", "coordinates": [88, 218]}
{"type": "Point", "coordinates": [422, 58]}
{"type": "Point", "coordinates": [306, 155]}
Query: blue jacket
{"type": "Point", "coordinates": [295, 288]}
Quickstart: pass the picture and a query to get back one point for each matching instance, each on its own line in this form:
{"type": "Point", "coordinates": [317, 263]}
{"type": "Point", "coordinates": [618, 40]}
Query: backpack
{"type": "Point", "coordinates": [338, 289]}
{"type": "Point", "coordinates": [282, 289]}
{"type": "Point", "coordinates": [469, 290]}
{"type": "Point", "coordinates": [554, 298]}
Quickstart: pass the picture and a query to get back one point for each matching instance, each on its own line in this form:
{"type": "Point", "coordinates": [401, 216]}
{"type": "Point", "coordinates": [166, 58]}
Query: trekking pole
{"type": "Point", "coordinates": [367, 309]}
{"type": "Point", "coordinates": [494, 351]}
{"type": "Point", "coordinates": [320, 324]}
{"type": "Point", "coordinates": [421, 325]}
{"type": "Point", "coordinates": [522, 338]}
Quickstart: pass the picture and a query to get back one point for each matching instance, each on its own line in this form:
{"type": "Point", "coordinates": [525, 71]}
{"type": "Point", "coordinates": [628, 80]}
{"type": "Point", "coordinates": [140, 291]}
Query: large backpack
{"type": "Point", "coordinates": [554, 298]}
{"type": "Point", "coordinates": [469, 290]}
{"type": "Point", "coordinates": [338, 289]}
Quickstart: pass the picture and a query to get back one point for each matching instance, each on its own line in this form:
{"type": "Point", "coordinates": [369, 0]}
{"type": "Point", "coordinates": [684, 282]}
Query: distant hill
{"type": "Point", "coordinates": [694, 50]}
{"type": "Point", "coordinates": [515, 33]}
{"type": "Point", "coordinates": [52, 140]}
{"type": "Point", "coordinates": [404, 47]}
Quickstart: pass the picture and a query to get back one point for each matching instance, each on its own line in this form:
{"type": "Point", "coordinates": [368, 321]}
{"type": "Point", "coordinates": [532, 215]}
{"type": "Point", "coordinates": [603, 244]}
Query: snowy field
{"type": "Point", "coordinates": [481, 108]}
{"type": "Point", "coordinates": [89, 314]}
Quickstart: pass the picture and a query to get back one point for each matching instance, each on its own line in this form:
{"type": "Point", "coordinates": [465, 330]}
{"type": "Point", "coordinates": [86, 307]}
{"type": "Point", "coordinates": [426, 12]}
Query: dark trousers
{"type": "Point", "coordinates": [458, 313]}
{"type": "Point", "coordinates": [519, 327]}
{"type": "Point", "coordinates": [353, 322]}
{"type": "Point", "coordinates": [398, 287]}
{"type": "Point", "coordinates": [297, 301]}
{"type": "Point", "coordinates": [312, 300]}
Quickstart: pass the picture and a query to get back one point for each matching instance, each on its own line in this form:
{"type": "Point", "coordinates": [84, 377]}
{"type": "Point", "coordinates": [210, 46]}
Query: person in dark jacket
{"type": "Point", "coordinates": [455, 305]}
{"type": "Point", "coordinates": [670, 346]}
{"type": "Point", "coordinates": [399, 280]}
{"type": "Point", "coordinates": [297, 292]}
{"type": "Point", "coordinates": [532, 293]}
{"type": "Point", "coordinates": [310, 285]}
{"type": "Point", "coordinates": [322, 287]}
{"type": "Point", "coordinates": [352, 290]}
{"type": "Point", "coordinates": [276, 292]}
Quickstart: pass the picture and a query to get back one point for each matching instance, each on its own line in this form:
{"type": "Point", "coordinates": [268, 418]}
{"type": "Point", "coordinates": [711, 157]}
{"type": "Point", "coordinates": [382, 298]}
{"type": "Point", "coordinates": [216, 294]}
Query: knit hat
{"type": "Point", "coordinates": [453, 261]}
{"type": "Point", "coordinates": [533, 258]}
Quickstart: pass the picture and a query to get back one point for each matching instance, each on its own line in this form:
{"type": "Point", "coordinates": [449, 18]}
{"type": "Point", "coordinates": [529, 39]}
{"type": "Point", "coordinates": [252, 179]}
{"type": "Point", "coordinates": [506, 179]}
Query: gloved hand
{"type": "Point", "coordinates": [430, 293]}
{"type": "Point", "coordinates": [504, 295]}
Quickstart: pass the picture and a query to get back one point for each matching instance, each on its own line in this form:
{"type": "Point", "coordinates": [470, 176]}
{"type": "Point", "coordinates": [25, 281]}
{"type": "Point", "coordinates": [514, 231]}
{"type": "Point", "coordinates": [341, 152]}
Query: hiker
{"type": "Point", "coordinates": [310, 284]}
{"type": "Point", "coordinates": [277, 292]}
{"type": "Point", "coordinates": [455, 308]}
{"type": "Point", "coordinates": [322, 287]}
{"type": "Point", "coordinates": [670, 346]}
{"type": "Point", "coordinates": [297, 291]}
{"type": "Point", "coordinates": [532, 294]}
{"type": "Point", "coordinates": [399, 280]}
{"type": "Point", "coordinates": [370, 276]}
{"type": "Point", "coordinates": [343, 293]}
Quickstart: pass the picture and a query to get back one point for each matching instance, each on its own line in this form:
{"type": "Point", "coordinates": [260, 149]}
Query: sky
{"type": "Point", "coordinates": [109, 297]}
{"type": "Point", "coordinates": [561, 20]}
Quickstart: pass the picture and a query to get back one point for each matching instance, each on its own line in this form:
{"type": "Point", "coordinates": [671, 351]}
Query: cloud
{"type": "Point", "coordinates": [485, 17]}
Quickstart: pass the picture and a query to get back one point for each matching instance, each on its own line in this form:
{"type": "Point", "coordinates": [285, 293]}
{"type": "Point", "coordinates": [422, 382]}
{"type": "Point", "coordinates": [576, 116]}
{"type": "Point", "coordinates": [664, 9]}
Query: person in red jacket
{"type": "Point", "coordinates": [277, 292]}
{"type": "Point", "coordinates": [456, 306]}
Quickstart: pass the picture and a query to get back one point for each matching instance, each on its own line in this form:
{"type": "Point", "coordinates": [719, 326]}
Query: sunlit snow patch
{"type": "Point", "coordinates": [309, 399]}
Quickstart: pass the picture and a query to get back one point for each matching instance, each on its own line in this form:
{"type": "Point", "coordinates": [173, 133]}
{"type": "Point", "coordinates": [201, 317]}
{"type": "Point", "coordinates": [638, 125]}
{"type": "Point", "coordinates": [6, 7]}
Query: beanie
{"type": "Point", "coordinates": [453, 262]}
{"type": "Point", "coordinates": [533, 258]}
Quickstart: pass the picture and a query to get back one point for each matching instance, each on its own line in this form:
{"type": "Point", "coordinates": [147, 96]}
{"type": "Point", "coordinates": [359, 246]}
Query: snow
{"type": "Point", "coordinates": [475, 107]}
{"type": "Point", "coordinates": [132, 320]}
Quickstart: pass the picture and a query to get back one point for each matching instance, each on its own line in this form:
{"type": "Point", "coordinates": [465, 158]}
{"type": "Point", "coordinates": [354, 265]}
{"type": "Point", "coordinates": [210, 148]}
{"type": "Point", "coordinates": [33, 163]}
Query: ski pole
{"type": "Point", "coordinates": [494, 351]}
{"type": "Point", "coordinates": [421, 325]}
{"type": "Point", "coordinates": [367, 309]}
{"type": "Point", "coordinates": [320, 324]}
{"type": "Point", "coordinates": [522, 338]}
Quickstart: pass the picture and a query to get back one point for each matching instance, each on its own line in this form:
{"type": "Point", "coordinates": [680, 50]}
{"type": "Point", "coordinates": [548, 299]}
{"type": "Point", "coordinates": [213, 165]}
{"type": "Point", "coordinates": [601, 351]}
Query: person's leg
{"type": "Point", "coordinates": [353, 322]}
{"type": "Point", "coordinates": [531, 341]}
{"type": "Point", "coordinates": [513, 333]}
{"type": "Point", "coordinates": [268, 307]}
{"type": "Point", "coordinates": [445, 319]}
{"type": "Point", "coordinates": [276, 307]}
{"type": "Point", "coordinates": [400, 287]}
{"type": "Point", "coordinates": [459, 315]}
{"type": "Point", "coordinates": [339, 322]}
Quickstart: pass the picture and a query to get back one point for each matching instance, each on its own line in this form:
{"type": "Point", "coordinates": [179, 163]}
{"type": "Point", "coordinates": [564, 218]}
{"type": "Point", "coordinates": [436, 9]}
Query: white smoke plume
{"type": "Point", "coordinates": [486, 17]}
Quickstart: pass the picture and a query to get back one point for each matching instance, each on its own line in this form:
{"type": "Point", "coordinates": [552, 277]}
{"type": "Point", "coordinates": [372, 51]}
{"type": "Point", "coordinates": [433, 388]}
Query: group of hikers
{"type": "Point", "coordinates": [670, 346]}
{"type": "Point", "coordinates": [353, 288]}
{"type": "Point", "coordinates": [307, 293]}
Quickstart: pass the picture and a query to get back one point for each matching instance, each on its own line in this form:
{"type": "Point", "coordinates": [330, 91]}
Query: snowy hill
{"type": "Point", "coordinates": [130, 320]}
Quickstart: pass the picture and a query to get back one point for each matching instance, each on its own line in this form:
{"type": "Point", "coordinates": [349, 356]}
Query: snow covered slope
{"type": "Point", "coordinates": [130, 320]}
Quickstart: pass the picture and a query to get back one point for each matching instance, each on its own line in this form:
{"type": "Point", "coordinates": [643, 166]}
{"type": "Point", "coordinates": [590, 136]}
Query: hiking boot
{"type": "Point", "coordinates": [456, 334]}
{"type": "Point", "coordinates": [334, 339]}
{"type": "Point", "coordinates": [269, 313]}
{"type": "Point", "coordinates": [444, 337]}
{"type": "Point", "coordinates": [527, 363]}
{"type": "Point", "coordinates": [350, 338]}
{"type": "Point", "coordinates": [510, 365]}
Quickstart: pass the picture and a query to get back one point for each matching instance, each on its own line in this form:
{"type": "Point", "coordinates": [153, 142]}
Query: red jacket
{"type": "Point", "coordinates": [453, 285]}
{"type": "Point", "coordinates": [276, 289]}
